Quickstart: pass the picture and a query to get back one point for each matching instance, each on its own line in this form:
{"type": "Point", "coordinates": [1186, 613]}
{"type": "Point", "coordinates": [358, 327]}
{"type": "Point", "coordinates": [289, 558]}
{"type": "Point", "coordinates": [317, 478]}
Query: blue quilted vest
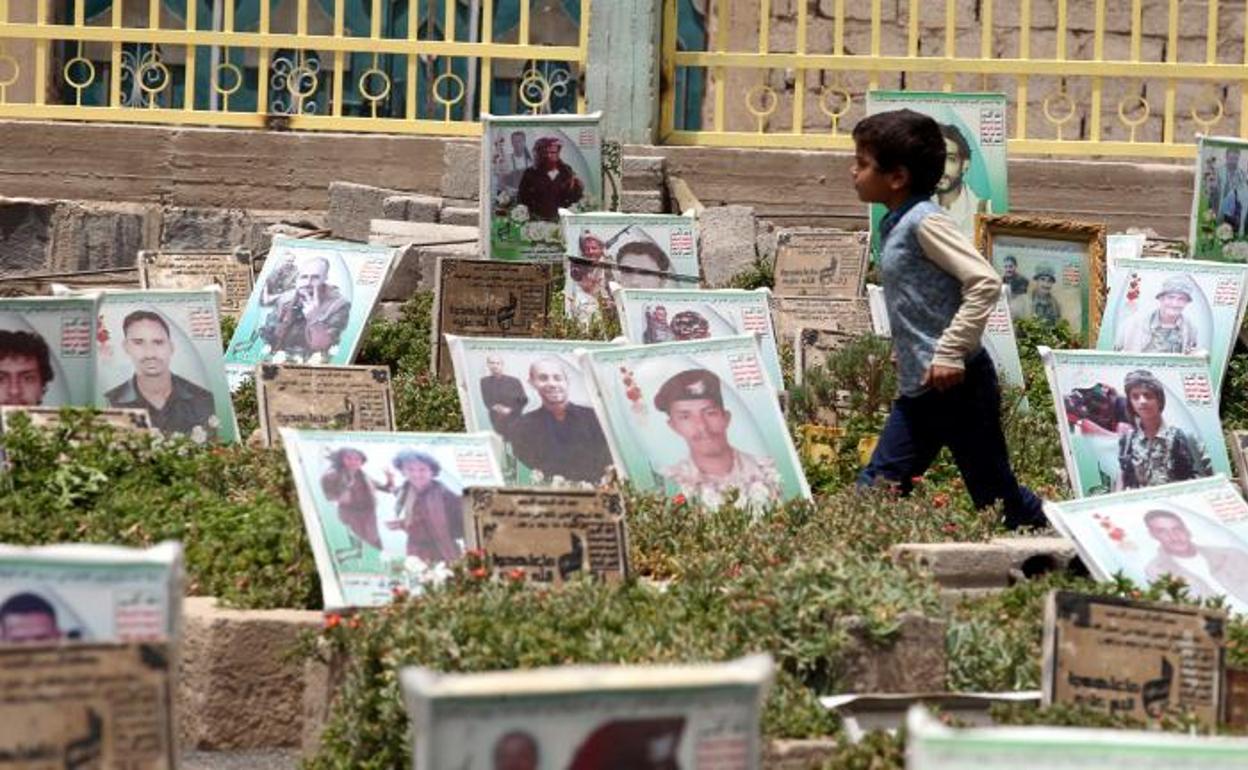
{"type": "Point", "coordinates": [922, 299]}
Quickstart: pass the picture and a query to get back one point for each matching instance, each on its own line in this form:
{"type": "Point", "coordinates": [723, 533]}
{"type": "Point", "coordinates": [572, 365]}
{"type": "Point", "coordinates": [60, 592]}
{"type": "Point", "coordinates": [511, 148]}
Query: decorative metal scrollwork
{"type": "Point", "coordinates": [294, 78]}
{"type": "Point", "coordinates": [143, 77]}
{"type": "Point", "coordinates": [1213, 93]}
{"type": "Point", "coordinates": [1130, 103]}
{"type": "Point", "coordinates": [761, 101]}
{"type": "Point", "coordinates": [445, 97]}
{"type": "Point", "coordinates": [539, 89]}
{"type": "Point", "coordinates": [838, 95]}
{"type": "Point", "coordinates": [1059, 109]}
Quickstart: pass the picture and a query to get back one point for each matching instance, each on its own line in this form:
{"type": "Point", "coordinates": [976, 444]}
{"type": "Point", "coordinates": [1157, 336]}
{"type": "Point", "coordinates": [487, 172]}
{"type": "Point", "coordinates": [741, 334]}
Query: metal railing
{"type": "Point", "coordinates": [1083, 78]}
{"type": "Point", "coordinates": [403, 66]}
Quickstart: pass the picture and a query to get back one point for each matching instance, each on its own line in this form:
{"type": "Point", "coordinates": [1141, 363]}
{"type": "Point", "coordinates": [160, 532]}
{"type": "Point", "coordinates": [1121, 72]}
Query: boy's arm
{"type": "Point", "coordinates": [950, 250]}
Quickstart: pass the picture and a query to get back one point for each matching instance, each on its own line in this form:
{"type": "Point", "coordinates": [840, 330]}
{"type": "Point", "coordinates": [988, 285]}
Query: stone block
{"type": "Point", "coordinates": [204, 229]}
{"type": "Point", "coordinates": [642, 202]}
{"type": "Point", "coordinates": [25, 234]}
{"type": "Point", "coordinates": [352, 206]}
{"type": "Point", "coordinates": [266, 224]}
{"type": "Point", "coordinates": [238, 688]}
{"type": "Point", "coordinates": [1034, 556]}
{"type": "Point", "coordinates": [800, 754]}
{"type": "Point", "coordinates": [641, 172]}
{"type": "Point", "coordinates": [461, 171]}
{"type": "Point", "coordinates": [411, 208]}
{"type": "Point", "coordinates": [91, 235]}
{"type": "Point", "coordinates": [460, 215]}
{"type": "Point", "coordinates": [959, 565]}
{"type": "Point", "coordinates": [914, 661]}
{"type": "Point", "coordinates": [727, 237]}
{"type": "Point", "coordinates": [422, 244]}
{"type": "Point", "coordinates": [765, 242]}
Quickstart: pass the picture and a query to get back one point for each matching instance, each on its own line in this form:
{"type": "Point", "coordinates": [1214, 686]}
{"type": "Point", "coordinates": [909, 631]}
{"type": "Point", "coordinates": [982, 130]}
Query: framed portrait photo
{"type": "Point", "coordinates": [531, 167]}
{"type": "Point", "coordinates": [1195, 530]}
{"type": "Point", "coordinates": [1183, 306]}
{"type": "Point", "coordinates": [533, 395]}
{"type": "Point", "coordinates": [648, 717]}
{"type": "Point", "coordinates": [1053, 268]}
{"type": "Point", "coordinates": [699, 418]}
{"type": "Point", "coordinates": [1134, 420]}
{"type": "Point", "coordinates": [385, 510]}
{"type": "Point", "coordinates": [1220, 200]}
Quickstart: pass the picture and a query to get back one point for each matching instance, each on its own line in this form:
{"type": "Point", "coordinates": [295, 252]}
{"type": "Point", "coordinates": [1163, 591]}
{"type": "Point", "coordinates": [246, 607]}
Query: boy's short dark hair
{"type": "Point", "coordinates": [905, 139]}
{"type": "Point", "coordinates": [14, 344]}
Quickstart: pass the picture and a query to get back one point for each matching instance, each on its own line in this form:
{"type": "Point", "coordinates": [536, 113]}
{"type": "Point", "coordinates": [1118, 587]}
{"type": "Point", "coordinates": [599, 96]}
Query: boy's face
{"type": "Point", "coordinates": [872, 184]}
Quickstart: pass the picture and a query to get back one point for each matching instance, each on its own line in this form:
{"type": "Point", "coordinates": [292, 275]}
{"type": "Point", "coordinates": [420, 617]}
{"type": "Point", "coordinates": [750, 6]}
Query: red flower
{"type": "Point", "coordinates": [916, 480]}
{"type": "Point", "coordinates": [516, 575]}
{"type": "Point", "coordinates": [1116, 535]}
{"type": "Point", "coordinates": [480, 573]}
{"type": "Point", "coordinates": [332, 621]}
{"type": "Point", "coordinates": [940, 500]}
{"type": "Point", "coordinates": [679, 500]}
{"type": "Point", "coordinates": [354, 622]}
{"type": "Point", "coordinates": [950, 527]}
{"type": "Point", "coordinates": [399, 592]}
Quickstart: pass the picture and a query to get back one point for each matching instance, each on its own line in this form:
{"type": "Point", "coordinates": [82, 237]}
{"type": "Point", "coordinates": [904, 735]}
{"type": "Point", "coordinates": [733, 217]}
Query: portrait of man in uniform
{"type": "Point", "coordinates": [549, 184]}
{"type": "Point", "coordinates": [175, 404]}
{"type": "Point", "coordinates": [27, 618]}
{"type": "Point", "coordinates": [516, 750]}
{"type": "Point", "coordinates": [502, 394]}
{"type": "Point", "coordinates": [25, 368]}
{"type": "Point", "coordinates": [1164, 329]}
{"type": "Point", "coordinates": [953, 194]}
{"type": "Point", "coordinates": [559, 438]}
{"type": "Point", "coordinates": [1208, 570]}
{"type": "Point", "coordinates": [694, 404]}
{"type": "Point", "coordinates": [308, 318]}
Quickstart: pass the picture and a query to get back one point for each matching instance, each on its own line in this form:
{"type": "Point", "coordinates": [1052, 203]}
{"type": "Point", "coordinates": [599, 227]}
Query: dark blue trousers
{"type": "Point", "coordinates": [967, 419]}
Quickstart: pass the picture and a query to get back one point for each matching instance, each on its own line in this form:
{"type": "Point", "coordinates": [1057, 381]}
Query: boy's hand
{"type": "Point", "coordinates": [943, 377]}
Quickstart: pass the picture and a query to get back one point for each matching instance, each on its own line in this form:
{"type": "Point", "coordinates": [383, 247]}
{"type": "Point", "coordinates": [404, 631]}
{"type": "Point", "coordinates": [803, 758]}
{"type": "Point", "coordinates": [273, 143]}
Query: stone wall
{"type": "Point", "coordinates": [741, 33]}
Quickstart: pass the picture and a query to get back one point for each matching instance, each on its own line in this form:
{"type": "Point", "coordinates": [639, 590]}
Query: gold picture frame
{"type": "Point", "coordinates": [1088, 282]}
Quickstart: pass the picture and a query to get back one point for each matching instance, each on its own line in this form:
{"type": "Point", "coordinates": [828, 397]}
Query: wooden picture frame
{"type": "Point", "coordinates": [1027, 234]}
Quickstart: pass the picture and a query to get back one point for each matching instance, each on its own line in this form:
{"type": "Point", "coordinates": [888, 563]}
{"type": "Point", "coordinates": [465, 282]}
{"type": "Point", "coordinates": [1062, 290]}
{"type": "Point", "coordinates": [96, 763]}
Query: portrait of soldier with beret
{"type": "Point", "coordinates": [694, 404]}
{"type": "Point", "coordinates": [1164, 328]}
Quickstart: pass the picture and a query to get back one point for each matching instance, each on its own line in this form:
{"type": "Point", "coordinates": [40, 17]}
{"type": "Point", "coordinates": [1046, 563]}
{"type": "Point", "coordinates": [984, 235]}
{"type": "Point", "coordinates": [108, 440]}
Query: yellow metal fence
{"type": "Point", "coordinates": [404, 66]}
{"type": "Point", "coordinates": [1083, 77]}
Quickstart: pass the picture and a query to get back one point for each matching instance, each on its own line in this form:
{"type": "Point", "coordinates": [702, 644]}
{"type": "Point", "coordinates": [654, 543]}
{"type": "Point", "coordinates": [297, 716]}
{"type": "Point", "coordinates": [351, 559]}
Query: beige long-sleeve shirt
{"type": "Point", "coordinates": [952, 252]}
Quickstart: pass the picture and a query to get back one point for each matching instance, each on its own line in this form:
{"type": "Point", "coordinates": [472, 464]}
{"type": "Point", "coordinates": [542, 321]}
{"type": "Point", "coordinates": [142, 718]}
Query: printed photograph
{"type": "Point", "coordinates": [1220, 200]}
{"type": "Point", "coordinates": [700, 419]}
{"type": "Point", "coordinates": [385, 510]}
{"type": "Point", "coordinates": [160, 351]}
{"type": "Point", "coordinates": [534, 396]}
{"type": "Point", "coordinates": [1134, 421]}
{"type": "Point", "coordinates": [89, 593]}
{"type": "Point", "coordinates": [1054, 269]}
{"type": "Point", "coordinates": [974, 129]}
{"type": "Point", "coordinates": [533, 166]}
{"type": "Point", "coordinates": [636, 251]}
{"type": "Point", "coordinates": [45, 351]}
{"type": "Point", "coordinates": [1175, 306]}
{"type": "Point", "coordinates": [592, 718]}
{"type": "Point", "coordinates": [311, 303]}
{"type": "Point", "coordinates": [651, 316]}
{"type": "Point", "coordinates": [1194, 531]}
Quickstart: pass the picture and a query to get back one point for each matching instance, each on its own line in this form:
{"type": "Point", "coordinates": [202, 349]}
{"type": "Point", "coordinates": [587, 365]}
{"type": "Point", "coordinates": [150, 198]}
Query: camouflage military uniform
{"type": "Point", "coordinates": [1169, 456]}
{"type": "Point", "coordinates": [755, 478]}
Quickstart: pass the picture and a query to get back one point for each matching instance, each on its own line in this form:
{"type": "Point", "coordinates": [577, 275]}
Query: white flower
{"type": "Point", "coordinates": [316, 358]}
{"type": "Point", "coordinates": [503, 198]}
{"type": "Point", "coordinates": [1224, 232]}
{"type": "Point", "coordinates": [213, 422]}
{"type": "Point", "coordinates": [280, 357]}
{"type": "Point", "coordinates": [520, 214]}
{"type": "Point", "coordinates": [421, 574]}
{"type": "Point", "coordinates": [198, 434]}
{"type": "Point", "coordinates": [414, 565]}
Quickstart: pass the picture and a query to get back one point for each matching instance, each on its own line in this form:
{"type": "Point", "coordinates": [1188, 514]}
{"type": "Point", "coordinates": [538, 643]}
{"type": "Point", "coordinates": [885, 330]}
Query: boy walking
{"type": "Point", "coordinates": [939, 292]}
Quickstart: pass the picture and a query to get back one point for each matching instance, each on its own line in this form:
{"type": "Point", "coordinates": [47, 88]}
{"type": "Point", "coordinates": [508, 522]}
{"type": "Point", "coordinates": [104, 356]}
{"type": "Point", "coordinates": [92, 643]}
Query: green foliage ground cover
{"type": "Point", "coordinates": [710, 585]}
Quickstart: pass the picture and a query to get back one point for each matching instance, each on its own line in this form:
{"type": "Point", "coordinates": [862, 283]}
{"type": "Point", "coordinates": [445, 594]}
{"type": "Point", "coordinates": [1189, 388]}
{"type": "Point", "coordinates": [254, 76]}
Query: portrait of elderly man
{"type": "Point", "coordinates": [308, 318]}
{"type": "Point", "coordinates": [953, 194]}
{"type": "Point", "coordinates": [1152, 452]}
{"type": "Point", "coordinates": [27, 618]}
{"type": "Point", "coordinates": [1164, 329]}
{"type": "Point", "coordinates": [694, 404]}
{"type": "Point", "coordinates": [1040, 303]}
{"type": "Point", "coordinates": [549, 184]}
{"type": "Point", "coordinates": [1208, 570]}
{"type": "Point", "coordinates": [559, 438]}
{"type": "Point", "coordinates": [175, 404]}
{"type": "Point", "coordinates": [25, 368]}
{"type": "Point", "coordinates": [590, 274]}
